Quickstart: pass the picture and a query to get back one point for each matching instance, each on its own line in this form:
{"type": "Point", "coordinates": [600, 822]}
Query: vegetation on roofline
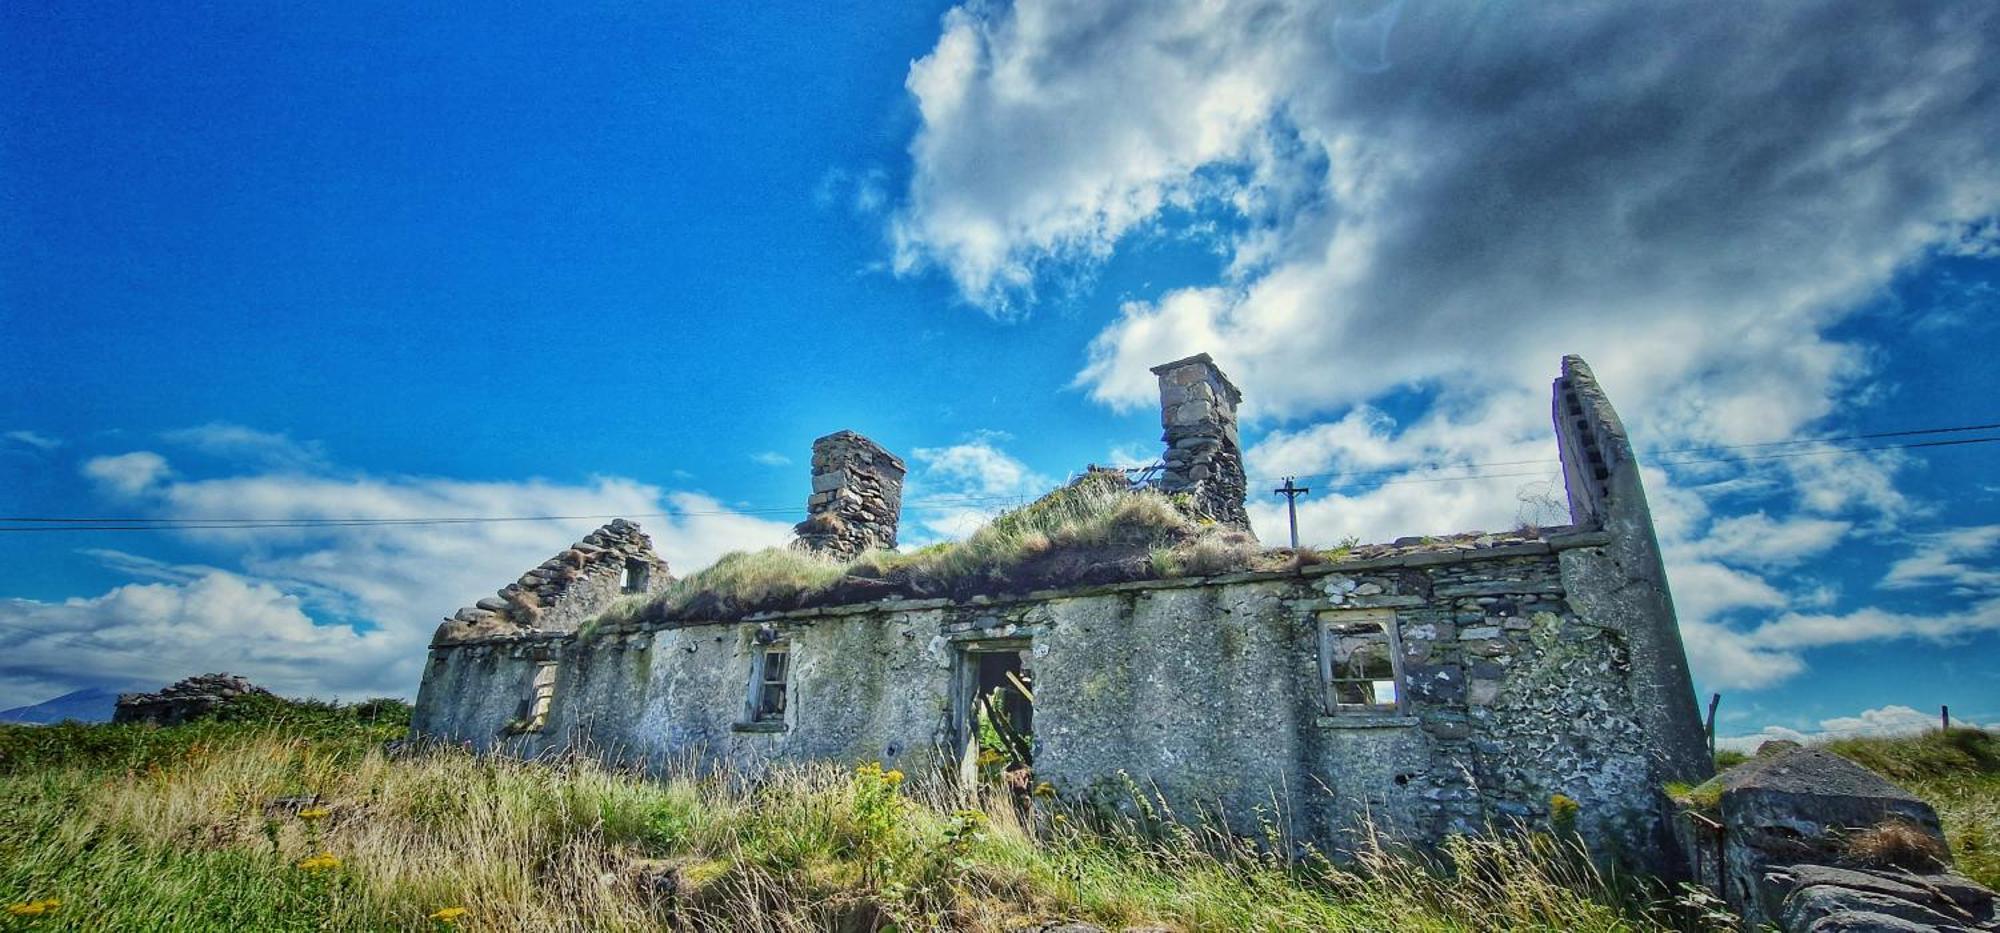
{"type": "Point", "coordinates": [1096, 530]}
{"type": "Point", "coordinates": [305, 822]}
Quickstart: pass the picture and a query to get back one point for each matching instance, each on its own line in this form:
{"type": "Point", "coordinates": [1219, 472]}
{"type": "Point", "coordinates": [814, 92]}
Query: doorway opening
{"type": "Point", "coordinates": [993, 714]}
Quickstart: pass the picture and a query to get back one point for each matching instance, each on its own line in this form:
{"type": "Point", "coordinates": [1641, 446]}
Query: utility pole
{"type": "Point", "coordinates": [1292, 492]}
{"type": "Point", "coordinates": [1713, 699]}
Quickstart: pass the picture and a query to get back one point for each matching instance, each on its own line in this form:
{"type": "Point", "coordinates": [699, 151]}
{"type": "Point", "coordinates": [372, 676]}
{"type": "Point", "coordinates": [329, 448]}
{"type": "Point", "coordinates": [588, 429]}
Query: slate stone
{"type": "Point", "coordinates": [1861, 921]}
{"type": "Point", "coordinates": [1809, 904]}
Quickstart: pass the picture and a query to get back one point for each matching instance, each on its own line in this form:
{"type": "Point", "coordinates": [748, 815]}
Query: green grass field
{"type": "Point", "coordinates": [292, 817]}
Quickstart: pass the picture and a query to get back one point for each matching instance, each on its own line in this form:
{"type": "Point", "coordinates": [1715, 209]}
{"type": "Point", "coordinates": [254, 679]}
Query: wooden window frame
{"type": "Point", "coordinates": [1330, 704]}
{"type": "Point", "coordinates": [756, 710]}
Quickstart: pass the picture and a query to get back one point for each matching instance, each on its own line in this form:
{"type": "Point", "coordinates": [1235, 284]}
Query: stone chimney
{"type": "Point", "coordinates": [1203, 459]}
{"type": "Point", "coordinates": [857, 495]}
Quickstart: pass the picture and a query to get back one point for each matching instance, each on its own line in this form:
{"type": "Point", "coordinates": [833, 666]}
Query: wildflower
{"type": "Point", "coordinates": [315, 814]}
{"type": "Point", "coordinates": [1045, 789]}
{"type": "Point", "coordinates": [892, 778]}
{"type": "Point", "coordinates": [1562, 813]}
{"type": "Point", "coordinates": [448, 915]}
{"type": "Point", "coordinates": [33, 908]}
{"type": "Point", "coordinates": [320, 862]}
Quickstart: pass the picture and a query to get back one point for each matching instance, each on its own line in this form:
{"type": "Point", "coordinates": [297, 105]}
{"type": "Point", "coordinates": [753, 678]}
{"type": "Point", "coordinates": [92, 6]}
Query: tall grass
{"type": "Point", "coordinates": [215, 837]}
{"type": "Point", "coordinates": [1958, 771]}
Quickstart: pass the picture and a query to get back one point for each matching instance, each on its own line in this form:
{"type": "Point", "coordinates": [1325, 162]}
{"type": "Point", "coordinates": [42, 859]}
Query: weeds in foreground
{"type": "Point", "coordinates": [203, 839]}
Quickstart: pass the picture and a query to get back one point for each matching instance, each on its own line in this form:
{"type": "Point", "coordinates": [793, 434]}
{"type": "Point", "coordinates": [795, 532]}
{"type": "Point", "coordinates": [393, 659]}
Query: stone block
{"type": "Point", "coordinates": [1443, 684]}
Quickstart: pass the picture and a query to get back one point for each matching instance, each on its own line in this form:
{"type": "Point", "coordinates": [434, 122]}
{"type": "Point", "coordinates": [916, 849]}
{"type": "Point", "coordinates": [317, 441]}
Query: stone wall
{"type": "Point", "coordinates": [1526, 666]}
{"type": "Point", "coordinates": [856, 500]}
{"type": "Point", "coordinates": [1206, 690]}
{"type": "Point", "coordinates": [567, 589]}
{"type": "Point", "coordinates": [1628, 579]}
{"type": "Point", "coordinates": [1203, 459]}
{"type": "Point", "coordinates": [184, 701]}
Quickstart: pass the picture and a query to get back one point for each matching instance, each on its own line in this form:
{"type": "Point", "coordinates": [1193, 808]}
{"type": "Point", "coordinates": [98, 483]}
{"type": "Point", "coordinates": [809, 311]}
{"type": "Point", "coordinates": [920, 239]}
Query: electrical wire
{"type": "Point", "coordinates": [126, 524]}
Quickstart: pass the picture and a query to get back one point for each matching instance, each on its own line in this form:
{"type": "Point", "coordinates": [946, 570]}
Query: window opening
{"type": "Point", "coordinates": [636, 574]}
{"type": "Point", "coordinates": [541, 695]}
{"type": "Point", "coordinates": [769, 686]}
{"type": "Point", "coordinates": [1359, 663]}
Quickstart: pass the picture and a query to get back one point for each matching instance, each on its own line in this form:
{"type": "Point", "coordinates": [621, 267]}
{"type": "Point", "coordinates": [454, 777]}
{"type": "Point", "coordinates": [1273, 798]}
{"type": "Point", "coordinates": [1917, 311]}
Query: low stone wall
{"type": "Point", "coordinates": [1210, 692]}
{"type": "Point", "coordinates": [185, 701]}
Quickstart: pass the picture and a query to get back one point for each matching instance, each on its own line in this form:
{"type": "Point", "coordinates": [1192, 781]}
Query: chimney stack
{"type": "Point", "coordinates": [857, 495]}
{"type": "Point", "coordinates": [1203, 459]}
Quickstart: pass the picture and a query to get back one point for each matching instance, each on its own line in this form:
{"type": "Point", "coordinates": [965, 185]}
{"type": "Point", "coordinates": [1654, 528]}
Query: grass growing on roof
{"type": "Point", "coordinates": [1098, 529]}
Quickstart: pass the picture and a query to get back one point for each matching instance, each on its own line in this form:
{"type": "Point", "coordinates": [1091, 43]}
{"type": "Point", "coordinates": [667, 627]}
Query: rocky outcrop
{"type": "Point", "coordinates": [566, 589]}
{"type": "Point", "coordinates": [188, 700]}
{"type": "Point", "coordinates": [1830, 899]}
{"type": "Point", "coordinates": [856, 500]}
{"type": "Point", "coordinates": [1806, 840]}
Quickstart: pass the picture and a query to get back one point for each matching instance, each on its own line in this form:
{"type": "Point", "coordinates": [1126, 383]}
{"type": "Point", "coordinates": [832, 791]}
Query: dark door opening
{"type": "Point", "coordinates": [994, 714]}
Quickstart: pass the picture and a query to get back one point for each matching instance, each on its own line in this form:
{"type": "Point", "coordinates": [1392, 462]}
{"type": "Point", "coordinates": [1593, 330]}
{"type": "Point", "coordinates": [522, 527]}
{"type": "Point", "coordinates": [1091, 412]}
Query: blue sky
{"type": "Point", "coordinates": [318, 262]}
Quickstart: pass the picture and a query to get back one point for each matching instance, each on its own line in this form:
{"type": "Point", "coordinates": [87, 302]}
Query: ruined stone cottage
{"type": "Point", "coordinates": [1425, 687]}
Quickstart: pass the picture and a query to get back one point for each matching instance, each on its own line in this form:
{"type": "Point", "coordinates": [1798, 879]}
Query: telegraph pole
{"type": "Point", "coordinates": [1292, 492]}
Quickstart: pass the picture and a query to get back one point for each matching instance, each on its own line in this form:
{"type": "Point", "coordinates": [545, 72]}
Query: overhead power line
{"type": "Point", "coordinates": [1546, 461]}
{"type": "Point", "coordinates": [22, 524]}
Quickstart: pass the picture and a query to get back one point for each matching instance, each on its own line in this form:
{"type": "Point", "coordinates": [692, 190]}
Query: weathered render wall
{"type": "Point", "coordinates": [1208, 691]}
{"type": "Point", "coordinates": [1530, 664]}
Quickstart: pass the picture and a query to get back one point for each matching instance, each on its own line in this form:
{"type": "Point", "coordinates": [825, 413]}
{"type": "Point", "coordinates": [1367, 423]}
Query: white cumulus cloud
{"type": "Point", "coordinates": [129, 474]}
{"type": "Point", "coordinates": [327, 609]}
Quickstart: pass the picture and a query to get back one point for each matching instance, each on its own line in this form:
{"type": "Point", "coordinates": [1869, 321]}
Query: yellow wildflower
{"type": "Point", "coordinates": [892, 778]}
{"type": "Point", "coordinates": [1561, 806]}
{"type": "Point", "coordinates": [320, 862]}
{"type": "Point", "coordinates": [316, 813]}
{"type": "Point", "coordinates": [1045, 789]}
{"type": "Point", "coordinates": [33, 908]}
{"type": "Point", "coordinates": [448, 914]}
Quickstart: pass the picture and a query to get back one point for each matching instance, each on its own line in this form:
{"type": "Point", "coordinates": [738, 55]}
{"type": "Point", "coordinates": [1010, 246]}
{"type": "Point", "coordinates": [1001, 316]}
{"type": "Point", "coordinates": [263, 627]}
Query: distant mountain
{"type": "Point", "coordinates": [93, 704]}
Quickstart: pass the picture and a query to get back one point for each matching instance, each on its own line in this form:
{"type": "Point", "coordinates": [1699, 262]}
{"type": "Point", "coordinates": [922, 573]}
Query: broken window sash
{"type": "Point", "coordinates": [1359, 664]}
{"type": "Point", "coordinates": [773, 668]}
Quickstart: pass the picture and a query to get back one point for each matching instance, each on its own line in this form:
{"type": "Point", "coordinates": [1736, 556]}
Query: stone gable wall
{"type": "Point", "coordinates": [564, 591]}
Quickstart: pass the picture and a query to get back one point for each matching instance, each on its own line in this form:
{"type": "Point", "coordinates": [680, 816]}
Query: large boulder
{"type": "Point", "coordinates": [1813, 842]}
{"type": "Point", "coordinates": [188, 700]}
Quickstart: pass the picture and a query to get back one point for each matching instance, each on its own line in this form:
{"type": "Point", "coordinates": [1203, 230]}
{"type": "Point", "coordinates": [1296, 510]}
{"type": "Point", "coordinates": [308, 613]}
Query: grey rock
{"type": "Point", "coordinates": [1862, 921]}
{"type": "Point", "coordinates": [1807, 905]}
